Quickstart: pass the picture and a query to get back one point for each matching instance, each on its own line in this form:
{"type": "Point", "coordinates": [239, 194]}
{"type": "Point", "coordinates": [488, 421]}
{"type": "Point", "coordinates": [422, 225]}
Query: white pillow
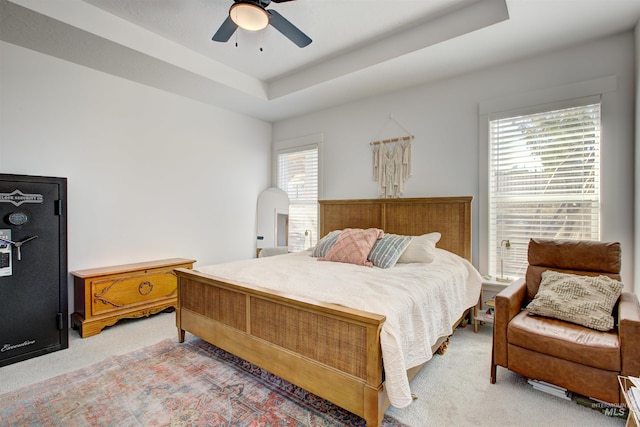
{"type": "Point", "coordinates": [421, 249]}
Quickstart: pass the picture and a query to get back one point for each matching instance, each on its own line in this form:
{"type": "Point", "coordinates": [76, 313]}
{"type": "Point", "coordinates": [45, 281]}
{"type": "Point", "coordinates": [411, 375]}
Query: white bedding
{"type": "Point", "coordinates": [420, 301]}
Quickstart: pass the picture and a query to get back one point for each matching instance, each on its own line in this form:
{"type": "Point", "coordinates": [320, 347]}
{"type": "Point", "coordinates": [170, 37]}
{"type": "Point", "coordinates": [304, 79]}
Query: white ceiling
{"type": "Point", "coordinates": [360, 47]}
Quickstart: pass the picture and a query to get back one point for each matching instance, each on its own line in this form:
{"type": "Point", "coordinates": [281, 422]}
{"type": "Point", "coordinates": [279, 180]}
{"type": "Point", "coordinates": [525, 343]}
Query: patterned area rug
{"type": "Point", "coordinates": [190, 384]}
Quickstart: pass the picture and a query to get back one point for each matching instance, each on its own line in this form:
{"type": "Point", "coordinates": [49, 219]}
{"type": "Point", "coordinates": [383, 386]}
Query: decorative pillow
{"type": "Point", "coordinates": [386, 251]}
{"type": "Point", "coordinates": [584, 300]}
{"type": "Point", "coordinates": [323, 246]}
{"type": "Point", "coordinates": [353, 246]}
{"type": "Point", "coordinates": [421, 249]}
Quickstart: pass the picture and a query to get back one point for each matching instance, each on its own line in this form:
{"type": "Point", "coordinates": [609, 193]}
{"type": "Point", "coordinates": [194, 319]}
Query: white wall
{"type": "Point", "coordinates": [151, 175]}
{"type": "Point", "coordinates": [444, 118]}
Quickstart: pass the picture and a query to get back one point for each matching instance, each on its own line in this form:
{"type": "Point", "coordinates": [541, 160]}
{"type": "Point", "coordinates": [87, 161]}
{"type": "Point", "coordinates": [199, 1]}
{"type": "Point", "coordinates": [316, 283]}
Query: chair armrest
{"type": "Point", "coordinates": [508, 303]}
{"type": "Point", "coordinates": [629, 330]}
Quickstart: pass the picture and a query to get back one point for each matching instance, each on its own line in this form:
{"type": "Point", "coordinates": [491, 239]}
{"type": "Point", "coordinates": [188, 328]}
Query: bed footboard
{"type": "Point", "coordinates": [329, 350]}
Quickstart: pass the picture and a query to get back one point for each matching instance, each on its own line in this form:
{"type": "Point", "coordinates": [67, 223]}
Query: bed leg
{"type": "Point", "coordinates": [374, 405]}
{"type": "Point", "coordinates": [371, 423]}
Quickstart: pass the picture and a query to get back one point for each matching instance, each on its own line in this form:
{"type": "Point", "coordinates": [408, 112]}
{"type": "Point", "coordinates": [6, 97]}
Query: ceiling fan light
{"type": "Point", "coordinates": [249, 16]}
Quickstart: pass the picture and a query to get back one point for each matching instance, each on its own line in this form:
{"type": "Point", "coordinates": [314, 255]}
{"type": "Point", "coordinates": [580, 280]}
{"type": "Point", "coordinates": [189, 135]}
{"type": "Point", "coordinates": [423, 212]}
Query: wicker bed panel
{"type": "Point", "coordinates": [356, 215]}
{"type": "Point", "coordinates": [312, 335]}
{"type": "Point", "coordinates": [451, 216]}
{"type": "Point", "coordinates": [223, 305]}
{"type": "Point", "coordinates": [414, 219]}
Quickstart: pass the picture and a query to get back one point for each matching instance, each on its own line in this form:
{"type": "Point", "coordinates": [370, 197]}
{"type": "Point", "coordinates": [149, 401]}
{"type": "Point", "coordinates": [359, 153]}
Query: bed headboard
{"type": "Point", "coordinates": [451, 216]}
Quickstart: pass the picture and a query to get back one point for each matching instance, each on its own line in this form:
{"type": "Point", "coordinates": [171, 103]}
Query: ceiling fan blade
{"type": "Point", "coordinates": [225, 31]}
{"type": "Point", "coordinates": [289, 30]}
{"type": "Point", "coordinates": [280, 1]}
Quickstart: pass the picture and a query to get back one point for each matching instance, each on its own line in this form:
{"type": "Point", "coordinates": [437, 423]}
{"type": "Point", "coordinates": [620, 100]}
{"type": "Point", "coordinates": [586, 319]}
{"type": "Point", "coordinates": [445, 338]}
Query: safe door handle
{"type": "Point", "coordinates": [18, 245]}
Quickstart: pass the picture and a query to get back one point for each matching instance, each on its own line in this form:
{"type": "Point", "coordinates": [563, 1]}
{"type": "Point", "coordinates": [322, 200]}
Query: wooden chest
{"type": "Point", "coordinates": [105, 295]}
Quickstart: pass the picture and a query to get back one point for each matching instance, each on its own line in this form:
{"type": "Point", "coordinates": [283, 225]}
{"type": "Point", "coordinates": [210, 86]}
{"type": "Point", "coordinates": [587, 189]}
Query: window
{"type": "Point", "coordinates": [297, 175]}
{"type": "Point", "coordinates": [544, 181]}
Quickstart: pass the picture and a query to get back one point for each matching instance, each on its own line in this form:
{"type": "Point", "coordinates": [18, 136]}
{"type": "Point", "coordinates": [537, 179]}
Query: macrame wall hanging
{"type": "Point", "coordinates": [392, 162]}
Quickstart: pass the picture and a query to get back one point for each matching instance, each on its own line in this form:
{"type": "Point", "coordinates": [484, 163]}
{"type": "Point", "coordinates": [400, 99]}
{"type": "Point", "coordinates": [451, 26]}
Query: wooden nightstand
{"type": "Point", "coordinates": [105, 295]}
{"type": "Point", "coordinates": [490, 288]}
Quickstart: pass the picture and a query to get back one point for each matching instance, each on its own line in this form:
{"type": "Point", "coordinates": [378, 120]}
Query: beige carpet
{"type": "Point", "coordinates": [452, 390]}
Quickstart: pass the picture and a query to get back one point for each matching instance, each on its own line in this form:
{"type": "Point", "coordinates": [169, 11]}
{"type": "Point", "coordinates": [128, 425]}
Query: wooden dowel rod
{"type": "Point", "coordinates": [385, 141]}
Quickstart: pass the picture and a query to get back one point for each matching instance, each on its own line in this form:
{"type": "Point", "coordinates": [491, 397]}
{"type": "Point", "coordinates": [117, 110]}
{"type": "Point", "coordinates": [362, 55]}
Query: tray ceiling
{"type": "Point", "coordinates": [360, 47]}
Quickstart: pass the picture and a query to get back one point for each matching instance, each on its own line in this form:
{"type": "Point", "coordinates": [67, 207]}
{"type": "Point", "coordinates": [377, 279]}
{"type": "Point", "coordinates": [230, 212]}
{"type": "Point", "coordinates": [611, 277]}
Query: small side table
{"type": "Point", "coordinates": [634, 412]}
{"type": "Point", "coordinates": [490, 288]}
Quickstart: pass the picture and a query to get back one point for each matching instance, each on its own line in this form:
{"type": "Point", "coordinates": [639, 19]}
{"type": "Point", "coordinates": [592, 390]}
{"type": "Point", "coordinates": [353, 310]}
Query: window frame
{"type": "Point", "coordinates": [565, 96]}
{"type": "Point", "coordinates": [301, 144]}
{"type": "Point", "coordinates": [515, 264]}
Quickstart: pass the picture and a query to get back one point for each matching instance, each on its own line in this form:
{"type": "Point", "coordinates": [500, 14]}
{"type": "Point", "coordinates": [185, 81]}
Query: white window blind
{"type": "Point", "coordinates": [297, 175]}
{"type": "Point", "coordinates": [544, 181]}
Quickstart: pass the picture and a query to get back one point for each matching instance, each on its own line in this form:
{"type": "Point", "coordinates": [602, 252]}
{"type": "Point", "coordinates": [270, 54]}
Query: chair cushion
{"type": "Point", "coordinates": [588, 258]}
{"type": "Point", "coordinates": [565, 340]}
{"type": "Point", "coordinates": [583, 255]}
{"type": "Point", "coordinates": [585, 300]}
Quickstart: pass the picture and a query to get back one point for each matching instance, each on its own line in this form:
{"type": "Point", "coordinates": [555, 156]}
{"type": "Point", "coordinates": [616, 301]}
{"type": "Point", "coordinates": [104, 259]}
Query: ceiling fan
{"type": "Point", "coordinates": [253, 15]}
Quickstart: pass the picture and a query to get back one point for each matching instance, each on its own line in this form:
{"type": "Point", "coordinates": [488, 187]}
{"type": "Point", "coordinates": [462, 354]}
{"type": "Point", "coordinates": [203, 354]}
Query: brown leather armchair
{"type": "Point", "coordinates": [580, 359]}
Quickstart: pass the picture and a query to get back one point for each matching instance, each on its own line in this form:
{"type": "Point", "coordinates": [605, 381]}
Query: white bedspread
{"type": "Point", "coordinates": [420, 301]}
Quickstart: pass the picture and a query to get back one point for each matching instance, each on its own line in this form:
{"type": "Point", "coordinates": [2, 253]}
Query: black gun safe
{"type": "Point", "coordinates": [33, 267]}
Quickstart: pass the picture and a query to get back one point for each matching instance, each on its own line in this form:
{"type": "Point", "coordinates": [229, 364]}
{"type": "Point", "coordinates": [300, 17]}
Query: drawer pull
{"type": "Point", "coordinates": [145, 288]}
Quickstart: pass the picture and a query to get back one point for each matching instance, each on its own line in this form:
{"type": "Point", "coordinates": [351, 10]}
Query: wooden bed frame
{"type": "Point", "coordinates": [329, 350]}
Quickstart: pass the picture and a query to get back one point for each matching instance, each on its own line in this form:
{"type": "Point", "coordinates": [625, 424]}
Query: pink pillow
{"type": "Point", "coordinates": [353, 246]}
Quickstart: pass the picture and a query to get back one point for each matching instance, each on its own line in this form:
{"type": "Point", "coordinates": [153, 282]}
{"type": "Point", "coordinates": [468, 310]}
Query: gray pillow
{"type": "Point", "coordinates": [386, 251]}
{"type": "Point", "coordinates": [323, 246]}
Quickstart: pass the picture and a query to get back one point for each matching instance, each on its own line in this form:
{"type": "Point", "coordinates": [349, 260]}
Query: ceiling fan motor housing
{"type": "Point", "coordinates": [255, 22]}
